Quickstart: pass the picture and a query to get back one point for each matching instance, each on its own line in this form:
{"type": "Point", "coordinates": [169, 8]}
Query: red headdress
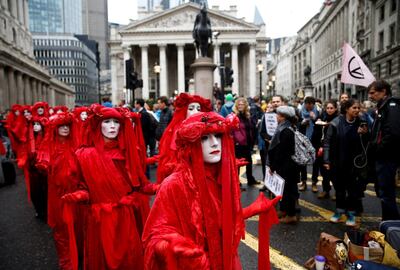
{"type": "Point", "coordinates": [127, 141]}
{"type": "Point", "coordinates": [52, 139]}
{"type": "Point", "coordinates": [38, 105]}
{"type": "Point", "coordinates": [79, 124]}
{"type": "Point", "coordinates": [61, 108]}
{"type": "Point", "coordinates": [167, 157]}
{"type": "Point", "coordinates": [27, 108]}
{"type": "Point", "coordinates": [17, 127]}
{"type": "Point", "coordinates": [190, 158]}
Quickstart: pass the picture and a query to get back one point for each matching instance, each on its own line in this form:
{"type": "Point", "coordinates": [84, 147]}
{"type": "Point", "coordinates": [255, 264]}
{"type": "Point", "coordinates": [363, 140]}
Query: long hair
{"type": "Point", "coordinates": [246, 110]}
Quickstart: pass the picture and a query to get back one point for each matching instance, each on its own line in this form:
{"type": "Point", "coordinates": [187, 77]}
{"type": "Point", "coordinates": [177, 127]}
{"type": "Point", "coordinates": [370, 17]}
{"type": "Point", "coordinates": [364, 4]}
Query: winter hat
{"type": "Point", "coordinates": [286, 110]}
{"type": "Point", "coordinates": [229, 97]}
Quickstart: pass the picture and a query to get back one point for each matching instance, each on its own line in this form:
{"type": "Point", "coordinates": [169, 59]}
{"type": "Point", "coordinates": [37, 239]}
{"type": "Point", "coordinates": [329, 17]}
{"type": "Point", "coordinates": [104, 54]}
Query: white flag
{"type": "Point", "coordinates": [354, 71]}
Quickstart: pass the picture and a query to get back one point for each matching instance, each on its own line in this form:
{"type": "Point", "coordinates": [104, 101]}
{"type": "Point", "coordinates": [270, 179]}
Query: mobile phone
{"type": "Point", "coordinates": [363, 124]}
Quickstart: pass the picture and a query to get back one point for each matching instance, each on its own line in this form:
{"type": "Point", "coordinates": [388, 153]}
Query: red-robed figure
{"type": "Point", "coordinates": [112, 177]}
{"type": "Point", "coordinates": [185, 105]}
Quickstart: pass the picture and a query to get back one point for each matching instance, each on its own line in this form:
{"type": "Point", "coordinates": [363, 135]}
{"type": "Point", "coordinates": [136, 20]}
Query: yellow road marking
{"type": "Point", "coordinates": [278, 260]}
{"type": "Point", "coordinates": [372, 193]}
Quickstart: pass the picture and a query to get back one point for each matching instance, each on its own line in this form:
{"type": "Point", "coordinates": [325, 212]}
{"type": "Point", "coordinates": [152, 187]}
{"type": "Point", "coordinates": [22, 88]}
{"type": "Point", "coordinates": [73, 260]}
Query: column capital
{"type": "Point", "coordinates": [180, 44]}
{"type": "Point", "coordinates": [144, 46]}
{"type": "Point", "coordinates": [253, 44]}
{"type": "Point", "coordinates": [162, 45]}
{"type": "Point", "coordinates": [235, 44]}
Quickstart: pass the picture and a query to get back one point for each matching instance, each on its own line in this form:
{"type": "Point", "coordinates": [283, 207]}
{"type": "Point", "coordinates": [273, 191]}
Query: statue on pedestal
{"type": "Point", "coordinates": [202, 33]}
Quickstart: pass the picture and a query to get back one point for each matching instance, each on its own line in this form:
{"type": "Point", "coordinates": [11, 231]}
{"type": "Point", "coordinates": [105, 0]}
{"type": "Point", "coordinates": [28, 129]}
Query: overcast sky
{"type": "Point", "coordinates": [282, 17]}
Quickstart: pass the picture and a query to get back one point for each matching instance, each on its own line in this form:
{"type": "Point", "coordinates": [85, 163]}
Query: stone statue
{"type": "Point", "coordinates": [307, 75]}
{"type": "Point", "coordinates": [202, 33]}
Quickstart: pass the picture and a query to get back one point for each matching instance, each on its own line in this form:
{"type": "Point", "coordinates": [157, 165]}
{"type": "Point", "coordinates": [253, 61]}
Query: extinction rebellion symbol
{"type": "Point", "coordinates": [355, 69]}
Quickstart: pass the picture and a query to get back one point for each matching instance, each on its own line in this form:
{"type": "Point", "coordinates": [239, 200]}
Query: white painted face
{"type": "Point", "coordinates": [211, 146]}
{"type": "Point", "coordinates": [83, 116]}
{"type": "Point", "coordinates": [110, 128]}
{"type": "Point", "coordinates": [16, 113]}
{"type": "Point", "coordinates": [27, 114]}
{"type": "Point", "coordinates": [193, 108]}
{"type": "Point", "coordinates": [37, 127]}
{"type": "Point", "coordinates": [51, 111]}
{"type": "Point", "coordinates": [40, 111]}
{"type": "Point", "coordinates": [63, 130]}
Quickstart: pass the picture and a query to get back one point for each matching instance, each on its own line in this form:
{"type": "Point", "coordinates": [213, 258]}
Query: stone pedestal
{"type": "Point", "coordinates": [203, 68]}
{"type": "Point", "coordinates": [308, 91]}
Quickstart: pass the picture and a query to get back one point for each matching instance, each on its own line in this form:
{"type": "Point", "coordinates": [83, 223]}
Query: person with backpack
{"type": "Point", "coordinates": [385, 145]}
{"type": "Point", "coordinates": [343, 142]}
{"type": "Point", "coordinates": [227, 108]}
{"type": "Point", "coordinates": [279, 160]}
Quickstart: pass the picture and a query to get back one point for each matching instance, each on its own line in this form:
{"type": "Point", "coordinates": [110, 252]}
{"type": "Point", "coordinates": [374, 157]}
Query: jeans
{"type": "Point", "coordinates": [386, 188]}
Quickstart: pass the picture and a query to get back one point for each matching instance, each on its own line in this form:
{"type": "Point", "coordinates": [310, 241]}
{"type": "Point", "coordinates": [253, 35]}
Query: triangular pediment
{"type": "Point", "coordinates": [181, 18]}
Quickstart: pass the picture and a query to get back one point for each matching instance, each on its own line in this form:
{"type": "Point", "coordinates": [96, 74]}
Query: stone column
{"type": "Point", "coordinates": [13, 7]}
{"type": "Point", "coordinates": [20, 89]}
{"type": "Point", "coordinates": [20, 11]}
{"type": "Point", "coordinates": [235, 67]}
{"type": "Point", "coordinates": [163, 73]}
{"type": "Point", "coordinates": [252, 70]}
{"type": "Point", "coordinates": [4, 4]}
{"type": "Point", "coordinates": [145, 71]}
{"type": "Point", "coordinates": [52, 98]}
{"type": "Point", "coordinates": [27, 90]}
{"type": "Point", "coordinates": [39, 91]}
{"type": "Point", "coordinates": [34, 91]}
{"type": "Point", "coordinates": [26, 13]}
{"type": "Point", "coordinates": [12, 87]}
{"type": "Point", "coordinates": [44, 92]}
{"type": "Point", "coordinates": [181, 68]}
{"type": "Point", "coordinates": [114, 79]}
{"type": "Point", "coordinates": [217, 78]}
{"type": "Point", "coordinates": [4, 104]}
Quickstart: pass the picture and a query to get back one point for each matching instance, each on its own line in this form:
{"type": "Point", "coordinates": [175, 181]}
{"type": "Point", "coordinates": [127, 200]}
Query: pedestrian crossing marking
{"type": "Point", "coordinates": [278, 260]}
{"type": "Point", "coordinates": [322, 219]}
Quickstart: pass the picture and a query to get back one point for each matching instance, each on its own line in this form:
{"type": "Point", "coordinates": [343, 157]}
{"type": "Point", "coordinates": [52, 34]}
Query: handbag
{"type": "Point", "coordinates": [333, 249]}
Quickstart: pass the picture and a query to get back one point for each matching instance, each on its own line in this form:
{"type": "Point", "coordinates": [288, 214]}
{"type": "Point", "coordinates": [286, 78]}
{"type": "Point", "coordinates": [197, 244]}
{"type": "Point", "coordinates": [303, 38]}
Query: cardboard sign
{"type": "Point", "coordinates": [274, 182]}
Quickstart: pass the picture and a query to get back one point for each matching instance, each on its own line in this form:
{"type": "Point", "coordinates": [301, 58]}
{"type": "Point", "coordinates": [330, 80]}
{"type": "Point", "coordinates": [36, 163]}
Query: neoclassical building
{"type": "Point", "coordinates": [165, 39]}
{"type": "Point", "coordinates": [22, 80]}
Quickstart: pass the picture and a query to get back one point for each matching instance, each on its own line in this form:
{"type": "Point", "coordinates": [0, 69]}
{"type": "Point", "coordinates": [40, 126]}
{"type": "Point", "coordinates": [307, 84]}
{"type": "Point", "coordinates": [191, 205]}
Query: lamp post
{"type": "Point", "coordinates": [260, 68]}
{"type": "Point", "coordinates": [157, 70]}
{"type": "Point", "coordinates": [273, 78]}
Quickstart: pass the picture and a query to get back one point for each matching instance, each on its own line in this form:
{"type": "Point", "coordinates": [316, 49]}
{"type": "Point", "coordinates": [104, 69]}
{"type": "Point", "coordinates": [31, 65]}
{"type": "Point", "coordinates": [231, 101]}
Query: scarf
{"type": "Point", "coordinates": [306, 115]}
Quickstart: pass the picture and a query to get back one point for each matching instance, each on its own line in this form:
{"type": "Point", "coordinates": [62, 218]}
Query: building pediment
{"type": "Point", "coordinates": [181, 19]}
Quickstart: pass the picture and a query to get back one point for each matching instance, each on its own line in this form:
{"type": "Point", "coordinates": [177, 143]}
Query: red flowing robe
{"type": "Point", "coordinates": [177, 210]}
{"type": "Point", "coordinates": [112, 239]}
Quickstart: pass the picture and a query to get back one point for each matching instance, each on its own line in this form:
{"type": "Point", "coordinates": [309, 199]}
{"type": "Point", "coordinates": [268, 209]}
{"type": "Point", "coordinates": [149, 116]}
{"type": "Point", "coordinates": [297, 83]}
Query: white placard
{"type": "Point", "coordinates": [271, 123]}
{"type": "Point", "coordinates": [274, 182]}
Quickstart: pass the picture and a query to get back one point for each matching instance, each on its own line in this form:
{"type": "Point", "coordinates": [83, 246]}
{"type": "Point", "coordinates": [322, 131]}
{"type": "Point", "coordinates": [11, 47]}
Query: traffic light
{"type": "Point", "coordinates": [228, 76]}
{"type": "Point", "coordinates": [130, 75]}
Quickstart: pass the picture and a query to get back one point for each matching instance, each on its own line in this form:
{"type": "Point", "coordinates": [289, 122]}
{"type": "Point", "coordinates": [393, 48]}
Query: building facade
{"type": "Point", "coordinates": [284, 70]}
{"type": "Point", "coordinates": [385, 48]}
{"type": "Point", "coordinates": [22, 80]}
{"type": "Point", "coordinates": [55, 16]}
{"type": "Point", "coordinates": [71, 61]}
{"type": "Point", "coordinates": [166, 39]}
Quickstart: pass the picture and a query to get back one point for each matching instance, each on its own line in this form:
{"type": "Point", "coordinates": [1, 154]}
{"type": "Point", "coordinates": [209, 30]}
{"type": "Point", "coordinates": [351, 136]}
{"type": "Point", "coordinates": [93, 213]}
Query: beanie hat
{"type": "Point", "coordinates": [229, 97]}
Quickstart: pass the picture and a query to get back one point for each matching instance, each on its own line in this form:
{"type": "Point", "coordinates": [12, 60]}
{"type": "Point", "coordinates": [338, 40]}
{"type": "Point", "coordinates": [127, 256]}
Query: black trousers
{"type": "Point", "coordinates": [244, 151]}
{"type": "Point", "coordinates": [263, 155]}
{"type": "Point", "coordinates": [290, 195]}
{"type": "Point", "coordinates": [348, 190]}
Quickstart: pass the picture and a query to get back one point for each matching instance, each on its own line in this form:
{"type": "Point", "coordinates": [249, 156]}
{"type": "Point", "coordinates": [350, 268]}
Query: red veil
{"type": "Point", "coordinates": [38, 105]}
{"type": "Point", "coordinates": [167, 147]}
{"type": "Point", "coordinates": [17, 128]}
{"type": "Point", "coordinates": [79, 124]}
{"type": "Point", "coordinates": [184, 214]}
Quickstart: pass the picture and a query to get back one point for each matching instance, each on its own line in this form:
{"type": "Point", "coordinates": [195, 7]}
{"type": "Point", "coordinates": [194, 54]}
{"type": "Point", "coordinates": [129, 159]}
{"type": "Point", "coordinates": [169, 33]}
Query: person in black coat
{"type": "Point", "coordinates": [385, 146]}
{"type": "Point", "coordinates": [280, 160]}
{"type": "Point", "coordinates": [149, 125]}
{"type": "Point", "coordinates": [165, 117]}
{"type": "Point", "coordinates": [343, 142]}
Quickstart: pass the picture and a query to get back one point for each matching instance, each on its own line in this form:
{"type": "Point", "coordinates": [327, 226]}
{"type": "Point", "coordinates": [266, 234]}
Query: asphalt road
{"type": "Point", "coordinates": [26, 242]}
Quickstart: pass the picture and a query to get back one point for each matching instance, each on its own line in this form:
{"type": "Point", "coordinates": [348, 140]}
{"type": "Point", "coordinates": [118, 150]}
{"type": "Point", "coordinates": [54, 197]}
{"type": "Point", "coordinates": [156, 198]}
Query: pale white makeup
{"type": "Point", "coordinates": [63, 130]}
{"type": "Point", "coordinates": [16, 113]}
{"type": "Point", "coordinates": [27, 114]}
{"type": "Point", "coordinates": [110, 128]}
{"type": "Point", "coordinates": [37, 127]}
{"type": "Point", "coordinates": [83, 116]}
{"type": "Point", "coordinates": [51, 111]}
{"type": "Point", "coordinates": [193, 108]}
{"type": "Point", "coordinates": [40, 111]}
{"type": "Point", "coordinates": [211, 146]}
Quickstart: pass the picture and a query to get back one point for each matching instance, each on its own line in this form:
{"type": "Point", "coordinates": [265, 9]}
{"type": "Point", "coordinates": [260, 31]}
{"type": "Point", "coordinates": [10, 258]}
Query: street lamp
{"type": "Point", "coordinates": [273, 78]}
{"type": "Point", "coordinates": [157, 70]}
{"type": "Point", "coordinates": [260, 68]}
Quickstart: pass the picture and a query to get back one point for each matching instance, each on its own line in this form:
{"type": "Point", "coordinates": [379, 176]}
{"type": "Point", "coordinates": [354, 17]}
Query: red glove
{"type": "Point", "coordinates": [260, 205]}
{"type": "Point", "coordinates": [241, 162]}
{"type": "Point", "coordinates": [152, 160]}
{"type": "Point", "coordinates": [179, 245]}
{"type": "Point", "coordinates": [129, 200]}
{"type": "Point", "coordinates": [150, 188]}
{"type": "Point", "coordinates": [77, 196]}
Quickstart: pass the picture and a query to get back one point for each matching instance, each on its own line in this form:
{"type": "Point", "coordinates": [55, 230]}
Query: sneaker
{"type": "Point", "coordinates": [323, 195]}
{"type": "Point", "coordinates": [351, 219]}
{"type": "Point", "coordinates": [314, 188]}
{"type": "Point", "coordinates": [253, 182]}
{"type": "Point", "coordinates": [336, 217]}
{"type": "Point", "coordinates": [303, 186]}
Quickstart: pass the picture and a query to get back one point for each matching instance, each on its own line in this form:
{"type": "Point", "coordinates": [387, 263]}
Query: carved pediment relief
{"type": "Point", "coordinates": [182, 18]}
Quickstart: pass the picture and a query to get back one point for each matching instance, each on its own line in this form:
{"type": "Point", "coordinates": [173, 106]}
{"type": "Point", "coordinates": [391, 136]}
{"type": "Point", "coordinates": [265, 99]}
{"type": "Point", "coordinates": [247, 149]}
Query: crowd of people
{"type": "Point", "coordinates": [87, 172]}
